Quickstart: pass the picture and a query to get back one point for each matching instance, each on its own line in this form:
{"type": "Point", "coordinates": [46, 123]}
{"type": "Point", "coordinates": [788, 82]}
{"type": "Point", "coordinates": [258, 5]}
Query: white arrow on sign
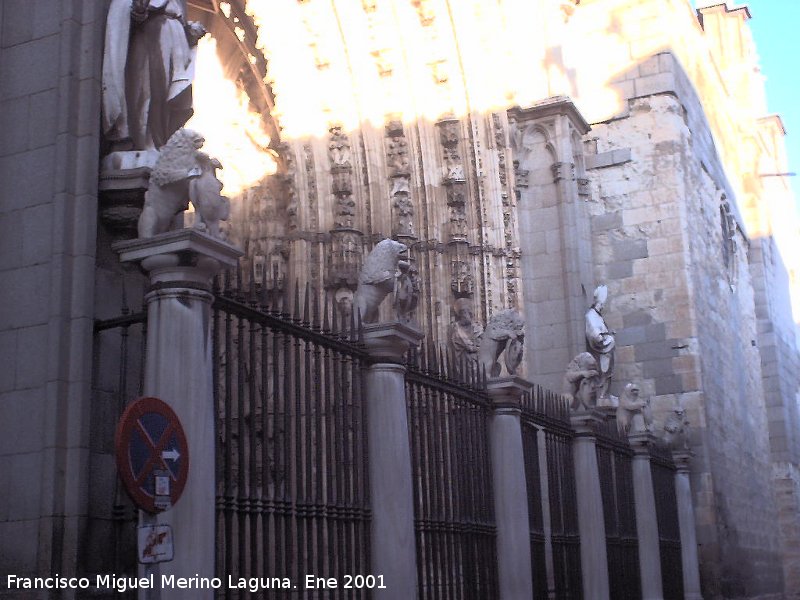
{"type": "Point", "coordinates": [172, 455]}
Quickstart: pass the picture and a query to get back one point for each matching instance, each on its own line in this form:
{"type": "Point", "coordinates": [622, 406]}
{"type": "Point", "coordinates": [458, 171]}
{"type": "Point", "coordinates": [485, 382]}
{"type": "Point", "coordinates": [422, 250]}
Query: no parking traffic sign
{"type": "Point", "coordinates": [152, 454]}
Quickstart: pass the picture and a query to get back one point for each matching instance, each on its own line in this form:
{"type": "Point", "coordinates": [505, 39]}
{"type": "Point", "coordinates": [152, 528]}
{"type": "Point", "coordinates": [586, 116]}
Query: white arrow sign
{"type": "Point", "coordinates": [172, 455]}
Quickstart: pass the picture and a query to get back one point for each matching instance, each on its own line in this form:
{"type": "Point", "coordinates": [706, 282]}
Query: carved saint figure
{"type": "Point", "coordinates": [581, 381]}
{"type": "Point", "coordinates": [148, 67]}
{"type": "Point", "coordinates": [505, 332]}
{"type": "Point", "coordinates": [600, 342]}
{"type": "Point", "coordinates": [406, 291]}
{"type": "Point", "coordinates": [464, 334]}
{"type": "Point", "coordinates": [634, 414]}
{"type": "Point", "coordinates": [377, 278]}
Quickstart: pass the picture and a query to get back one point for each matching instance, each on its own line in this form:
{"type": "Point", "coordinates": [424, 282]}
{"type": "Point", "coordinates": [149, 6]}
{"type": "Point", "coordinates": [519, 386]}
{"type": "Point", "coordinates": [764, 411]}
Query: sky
{"type": "Point", "coordinates": [776, 29]}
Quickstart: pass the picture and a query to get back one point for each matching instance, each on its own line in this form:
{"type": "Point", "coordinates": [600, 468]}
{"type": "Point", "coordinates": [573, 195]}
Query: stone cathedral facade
{"type": "Point", "coordinates": [525, 150]}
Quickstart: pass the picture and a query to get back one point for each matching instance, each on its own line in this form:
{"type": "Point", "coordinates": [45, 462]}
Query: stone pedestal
{"type": "Point", "coordinates": [178, 369]}
{"type": "Point", "coordinates": [646, 518]}
{"type": "Point", "coordinates": [393, 541]}
{"type": "Point", "coordinates": [591, 522]}
{"type": "Point", "coordinates": [683, 494]}
{"type": "Point", "coordinates": [510, 490]}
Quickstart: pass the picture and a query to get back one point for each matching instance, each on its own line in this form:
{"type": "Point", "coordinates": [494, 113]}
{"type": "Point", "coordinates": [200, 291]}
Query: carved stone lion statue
{"type": "Point", "coordinates": [377, 278]}
{"type": "Point", "coordinates": [634, 414]}
{"type": "Point", "coordinates": [676, 429]}
{"type": "Point", "coordinates": [183, 173]}
{"type": "Point", "coordinates": [581, 381]}
{"type": "Point", "coordinates": [505, 332]}
{"type": "Point", "coordinates": [209, 204]}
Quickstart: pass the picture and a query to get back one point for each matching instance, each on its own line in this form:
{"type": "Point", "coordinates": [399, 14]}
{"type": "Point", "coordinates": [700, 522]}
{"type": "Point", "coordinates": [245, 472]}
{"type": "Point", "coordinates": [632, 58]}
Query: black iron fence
{"type": "Point", "coordinates": [292, 490]}
{"type": "Point", "coordinates": [614, 459]}
{"type": "Point", "coordinates": [449, 415]}
{"type": "Point", "coordinates": [546, 415]}
{"type": "Point", "coordinates": [669, 535]}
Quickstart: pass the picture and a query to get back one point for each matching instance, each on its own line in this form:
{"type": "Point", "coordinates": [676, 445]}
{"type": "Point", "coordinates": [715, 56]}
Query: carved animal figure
{"type": "Point", "coordinates": [377, 278]}
{"type": "Point", "coordinates": [633, 413]}
{"type": "Point", "coordinates": [204, 191]}
{"type": "Point", "coordinates": [183, 173]}
{"type": "Point", "coordinates": [580, 382]}
{"type": "Point", "coordinates": [675, 429]}
{"type": "Point", "coordinates": [506, 329]}
{"type": "Point", "coordinates": [406, 291]}
{"type": "Point", "coordinates": [168, 194]}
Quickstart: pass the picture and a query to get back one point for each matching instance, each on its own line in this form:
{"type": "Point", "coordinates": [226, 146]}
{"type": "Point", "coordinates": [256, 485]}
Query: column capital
{"type": "Point", "coordinates": [682, 459]}
{"type": "Point", "coordinates": [389, 342]}
{"type": "Point", "coordinates": [584, 422]}
{"type": "Point", "coordinates": [181, 257]}
{"type": "Point", "coordinates": [641, 441]}
{"type": "Point", "coordinates": [506, 392]}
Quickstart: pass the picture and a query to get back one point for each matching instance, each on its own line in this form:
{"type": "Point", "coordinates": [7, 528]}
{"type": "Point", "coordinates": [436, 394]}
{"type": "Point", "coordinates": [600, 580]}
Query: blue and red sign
{"type": "Point", "coordinates": [152, 454]}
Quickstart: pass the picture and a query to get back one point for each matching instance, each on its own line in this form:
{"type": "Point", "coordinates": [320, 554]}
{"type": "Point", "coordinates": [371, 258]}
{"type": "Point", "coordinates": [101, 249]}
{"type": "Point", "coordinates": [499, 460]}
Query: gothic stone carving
{"type": "Point", "coordinates": [406, 291]}
{"type": "Point", "coordinates": [600, 342]}
{"type": "Point", "coordinates": [504, 333]}
{"type": "Point", "coordinates": [377, 278]}
{"type": "Point", "coordinates": [144, 103]}
{"type": "Point", "coordinates": [183, 173]}
{"type": "Point", "coordinates": [464, 334]}
{"type": "Point", "coordinates": [580, 382]}
{"type": "Point", "coordinates": [633, 413]}
{"type": "Point", "coordinates": [399, 170]}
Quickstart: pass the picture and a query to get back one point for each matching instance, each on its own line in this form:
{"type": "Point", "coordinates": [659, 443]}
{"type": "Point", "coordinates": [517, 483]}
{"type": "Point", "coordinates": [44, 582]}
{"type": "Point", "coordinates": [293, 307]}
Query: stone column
{"type": "Point", "coordinates": [510, 490]}
{"type": "Point", "coordinates": [393, 540]}
{"type": "Point", "coordinates": [591, 522]}
{"type": "Point", "coordinates": [178, 370]}
{"type": "Point", "coordinates": [683, 495]}
{"type": "Point", "coordinates": [646, 518]}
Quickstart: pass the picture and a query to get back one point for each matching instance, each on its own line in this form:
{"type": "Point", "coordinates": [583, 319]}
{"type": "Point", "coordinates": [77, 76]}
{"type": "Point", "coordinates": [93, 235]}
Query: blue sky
{"type": "Point", "coordinates": [776, 29]}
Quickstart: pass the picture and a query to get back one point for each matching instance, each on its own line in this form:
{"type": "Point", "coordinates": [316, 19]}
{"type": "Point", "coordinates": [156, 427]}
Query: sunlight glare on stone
{"type": "Point", "coordinates": [234, 133]}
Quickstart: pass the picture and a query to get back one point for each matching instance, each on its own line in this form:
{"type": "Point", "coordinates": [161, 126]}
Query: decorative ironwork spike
{"type": "Point", "coordinates": [264, 295]}
{"type": "Point", "coordinates": [445, 367]}
{"type": "Point", "coordinates": [296, 311]}
{"type": "Point", "coordinates": [326, 325]}
{"type": "Point", "coordinates": [307, 304]}
{"type": "Point", "coordinates": [315, 312]}
{"type": "Point", "coordinates": [252, 284]}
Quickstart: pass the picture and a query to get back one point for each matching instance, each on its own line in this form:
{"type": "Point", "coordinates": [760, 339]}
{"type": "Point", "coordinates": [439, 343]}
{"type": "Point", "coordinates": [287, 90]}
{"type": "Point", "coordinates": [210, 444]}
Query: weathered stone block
{"type": "Point", "coordinates": [17, 22]}
{"type": "Point", "coordinates": [31, 356]}
{"type": "Point", "coordinates": [36, 234]}
{"type": "Point", "coordinates": [14, 119]}
{"type": "Point", "coordinates": [42, 130]}
{"type": "Point", "coordinates": [607, 221]}
{"type": "Point", "coordinates": [28, 68]}
{"type": "Point", "coordinates": [629, 249]}
{"type": "Point", "coordinates": [620, 269]}
{"type": "Point", "coordinates": [31, 173]}
{"type": "Point", "coordinates": [20, 428]}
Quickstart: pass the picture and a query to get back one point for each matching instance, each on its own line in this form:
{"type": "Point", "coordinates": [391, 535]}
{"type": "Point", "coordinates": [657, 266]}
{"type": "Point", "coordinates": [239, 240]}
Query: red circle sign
{"type": "Point", "coordinates": [152, 454]}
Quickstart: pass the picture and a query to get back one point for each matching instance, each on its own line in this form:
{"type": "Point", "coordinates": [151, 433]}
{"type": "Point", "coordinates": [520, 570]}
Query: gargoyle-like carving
{"type": "Point", "coordinates": [183, 173]}
{"type": "Point", "coordinates": [634, 414]}
{"type": "Point", "coordinates": [676, 429]}
{"type": "Point", "coordinates": [505, 332]}
{"type": "Point", "coordinates": [377, 278]}
{"type": "Point", "coordinates": [581, 381]}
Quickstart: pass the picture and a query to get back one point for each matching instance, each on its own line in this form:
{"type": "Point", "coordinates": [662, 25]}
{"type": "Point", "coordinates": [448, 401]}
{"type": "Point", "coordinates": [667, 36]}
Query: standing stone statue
{"type": "Point", "coordinates": [377, 278]}
{"type": "Point", "coordinates": [406, 291]}
{"type": "Point", "coordinates": [464, 334]}
{"type": "Point", "coordinates": [148, 67]}
{"type": "Point", "coordinates": [504, 333]}
{"type": "Point", "coordinates": [600, 342]}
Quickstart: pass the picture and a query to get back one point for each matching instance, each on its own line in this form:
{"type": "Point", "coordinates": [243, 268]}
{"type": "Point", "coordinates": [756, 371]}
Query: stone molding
{"type": "Point", "coordinates": [389, 342]}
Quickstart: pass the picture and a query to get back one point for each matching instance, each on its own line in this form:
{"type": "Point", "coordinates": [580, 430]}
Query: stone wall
{"type": "Point", "coordinates": [683, 304]}
{"type": "Point", "coordinates": [49, 122]}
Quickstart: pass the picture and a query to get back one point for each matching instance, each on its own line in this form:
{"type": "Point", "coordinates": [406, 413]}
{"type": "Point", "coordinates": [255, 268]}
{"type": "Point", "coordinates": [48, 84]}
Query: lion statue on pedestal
{"type": "Point", "coordinates": [183, 173]}
{"type": "Point", "coordinates": [377, 278]}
